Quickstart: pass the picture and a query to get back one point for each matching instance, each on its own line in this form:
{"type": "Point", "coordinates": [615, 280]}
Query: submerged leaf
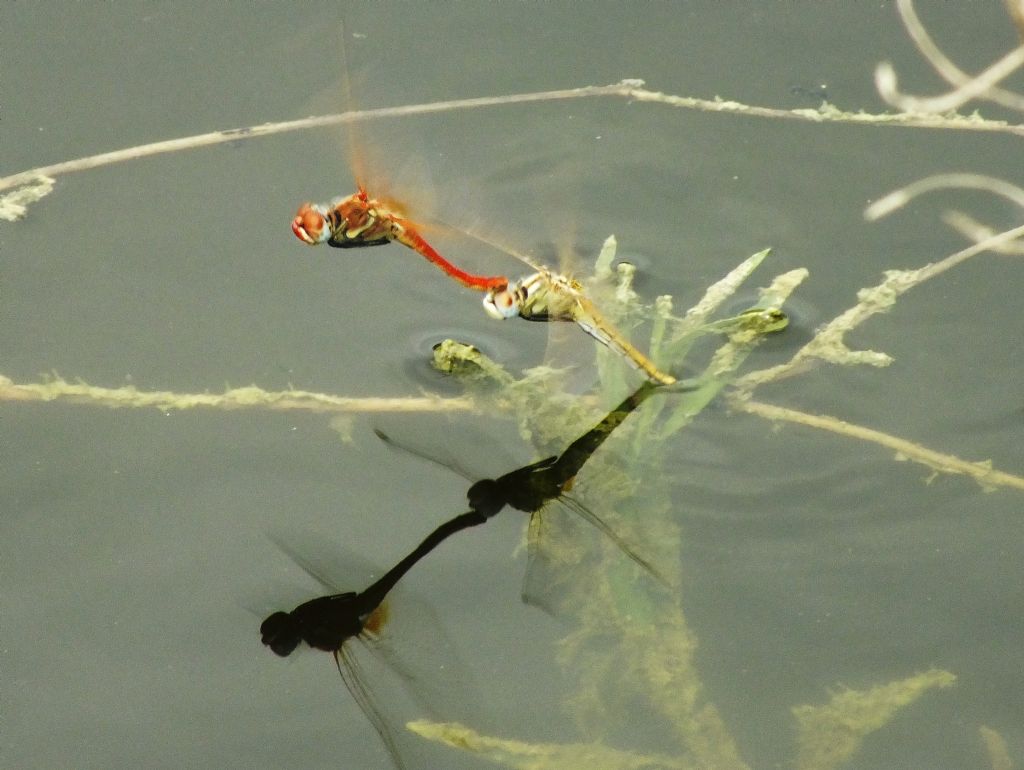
{"type": "Point", "coordinates": [14, 205]}
{"type": "Point", "coordinates": [830, 734]}
{"type": "Point", "coordinates": [467, 362]}
{"type": "Point", "coordinates": [995, 746]}
{"type": "Point", "coordinates": [541, 756]}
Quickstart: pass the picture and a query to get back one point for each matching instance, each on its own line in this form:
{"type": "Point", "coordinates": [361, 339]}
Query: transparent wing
{"type": "Point", "coordinates": [352, 675]}
{"type": "Point", "coordinates": [560, 549]}
{"type": "Point", "coordinates": [580, 509]}
{"type": "Point", "coordinates": [438, 458]}
{"type": "Point", "coordinates": [548, 570]}
{"type": "Point", "coordinates": [316, 564]}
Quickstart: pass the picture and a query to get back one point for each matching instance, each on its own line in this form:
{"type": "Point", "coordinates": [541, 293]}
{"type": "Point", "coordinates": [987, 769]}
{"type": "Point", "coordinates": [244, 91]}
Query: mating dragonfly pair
{"type": "Point", "coordinates": [331, 622]}
{"type": "Point", "coordinates": [358, 220]}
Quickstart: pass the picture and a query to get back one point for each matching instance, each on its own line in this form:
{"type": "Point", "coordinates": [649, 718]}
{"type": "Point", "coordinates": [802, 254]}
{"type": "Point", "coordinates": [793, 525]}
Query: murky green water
{"type": "Point", "coordinates": [134, 548]}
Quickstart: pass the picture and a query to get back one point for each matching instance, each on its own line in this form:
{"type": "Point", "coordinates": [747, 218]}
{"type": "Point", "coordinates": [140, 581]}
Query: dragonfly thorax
{"type": "Point", "coordinates": [324, 623]}
{"type": "Point", "coordinates": [356, 221]}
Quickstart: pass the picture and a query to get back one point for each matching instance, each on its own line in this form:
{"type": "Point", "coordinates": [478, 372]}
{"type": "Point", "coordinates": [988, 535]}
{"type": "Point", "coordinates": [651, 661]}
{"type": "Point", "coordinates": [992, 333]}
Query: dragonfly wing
{"type": "Point", "coordinates": [587, 318]}
{"type": "Point", "coordinates": [439, 457]}
{"type": "Point", "coordinates": [482, 464]}
{"type": "Point", "coordinates": [555, 550]}
{"type": "Point", "coordinates": [537, 587]}
{"type": "Point", "coordinates": [352, 675]}
{"type": "Point", "coordinates": [580, 509]}
{"type": "Point", "coordinates": [314, 567]}
{"type": "Point", "coordinates": [415, 651]}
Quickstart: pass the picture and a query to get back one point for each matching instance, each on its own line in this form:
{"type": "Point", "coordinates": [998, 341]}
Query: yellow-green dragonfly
{"type": "Point", "coordinates": [549, 296]}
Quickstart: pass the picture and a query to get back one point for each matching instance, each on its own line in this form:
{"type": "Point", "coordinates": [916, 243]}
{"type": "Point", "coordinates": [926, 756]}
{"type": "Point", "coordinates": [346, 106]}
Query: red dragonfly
{"type": "Point", "coordinates": [330, 623]}
{"type": "Point", "coordinates": [359, 220]}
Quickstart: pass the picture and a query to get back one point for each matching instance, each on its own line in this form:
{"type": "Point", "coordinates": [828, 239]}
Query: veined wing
{"type": "Point", "coordinates": [556, 549]}
{"type": "Point", "coordinates": [352, 675]}
{"type": "Point", "coordinates": [594, 520]}
{"type": "Point", "coordinates": [362, 219]}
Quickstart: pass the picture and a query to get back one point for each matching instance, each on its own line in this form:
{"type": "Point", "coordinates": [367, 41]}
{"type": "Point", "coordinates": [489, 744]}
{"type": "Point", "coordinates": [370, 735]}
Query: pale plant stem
{"type": "Point", "coordinates": [974, 230]}
{"type": "Point", "coordinates": [250, 397]}
{"type": "Point", "coordinates": [942, 64]}
{"type": "Point", "coordinates": [630, 89]}
{"type": "Point", "coordinates": [885, 82]}
{"type": "Point", "coordinates": [982, 472]}
{"type": "Point", "coordinates": [828, 113]}
{"type": "Point", "coordinates": [828, 344]}
{"type": "Point", "coordinates": [899, 198]}
{"type": "Point", "coordinates": [623, 89]}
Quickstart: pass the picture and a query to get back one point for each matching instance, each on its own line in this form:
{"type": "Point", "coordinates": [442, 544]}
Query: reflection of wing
{"type": "Point", "coordinates": [549, 558]}
{"type": "Point", "coordinates": [352, 675]}
{"type": "Point", "coordinates": [556, 547]}
{"type": "Point", "coordinates": [560, 552]}
{"type": "Point", "coordinates": [598, 522]}
{"type": "Point", "coordinates": [446, 462]}
{"type": "Point", "coordinates": [311, 566]}
{"type": "Point", "coordinates": [370, 658]}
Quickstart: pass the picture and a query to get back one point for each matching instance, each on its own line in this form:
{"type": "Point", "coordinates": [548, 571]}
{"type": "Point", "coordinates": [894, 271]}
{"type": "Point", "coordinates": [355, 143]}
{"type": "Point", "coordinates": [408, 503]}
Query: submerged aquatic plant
{"type": "Point", "coordinates": [631, 642]}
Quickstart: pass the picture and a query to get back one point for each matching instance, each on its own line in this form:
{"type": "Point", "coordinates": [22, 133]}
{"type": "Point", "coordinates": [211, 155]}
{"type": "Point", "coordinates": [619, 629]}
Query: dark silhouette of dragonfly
{"type": "Point", "coordinates": [532, 487]}
{"type": "Point", "coordinates": [329, 622]}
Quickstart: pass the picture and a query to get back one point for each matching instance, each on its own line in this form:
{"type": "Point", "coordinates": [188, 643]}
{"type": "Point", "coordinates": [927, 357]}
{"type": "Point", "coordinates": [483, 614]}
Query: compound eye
{"type": "Point", "coordinates": [500, 304]}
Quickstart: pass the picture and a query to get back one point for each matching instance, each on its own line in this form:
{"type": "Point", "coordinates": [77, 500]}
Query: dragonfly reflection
{"type": "Point", "coordinates": [532, 487]}
{"type": "Point", "coordinates": [329, 623]}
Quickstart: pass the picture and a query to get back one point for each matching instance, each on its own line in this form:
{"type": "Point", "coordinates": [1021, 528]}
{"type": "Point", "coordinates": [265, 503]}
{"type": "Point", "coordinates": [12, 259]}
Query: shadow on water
{"type": "Point", "coordinates": [330, 622]}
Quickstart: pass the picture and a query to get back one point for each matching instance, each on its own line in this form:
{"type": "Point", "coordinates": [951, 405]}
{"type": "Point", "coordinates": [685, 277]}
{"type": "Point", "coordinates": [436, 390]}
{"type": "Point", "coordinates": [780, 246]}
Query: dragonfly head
{"type": "Point", "coordinates": [281, 634]}
{"type": "Point", "coordinates": [486, 497]}
{"type": "Point", "coordinates": [310, 224]}
{"type": "Point", "coordinates": [501, 303]}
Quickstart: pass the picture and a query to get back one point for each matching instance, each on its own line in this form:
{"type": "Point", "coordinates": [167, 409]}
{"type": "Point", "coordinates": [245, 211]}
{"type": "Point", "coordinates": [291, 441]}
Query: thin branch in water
{"type": "Point", "coordinates": [1016, 10]}
{"type": "Point", "coordinates": [629, 88]}
{"type": "Point", "coordinates": [942, 64]}
{"type": "Point", "coordinates": [899, 198]}
{"type": "Point", "coordinates": [539, 756]}
{"type": "Point", "coordinates": [982, 472]}
{"type": "Point", "coordinates": [828, 735]}
{"type": "Point", "coordinates": [14, 205]}
{"type": "Point", "coordinates": [978, 86]}
{"type": "Point", "coordinates": [622, 89]}
{"type": "Point", "coordinates": [828, 343]}
{"type": "Point", "coordinates": [829, 113]}
{"type": "Point", "coordinates": [250, 397]}
{"type": "Point", "coordinates": [995, 747]}
{"type": "Point", "coordinates": [976, 231]}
